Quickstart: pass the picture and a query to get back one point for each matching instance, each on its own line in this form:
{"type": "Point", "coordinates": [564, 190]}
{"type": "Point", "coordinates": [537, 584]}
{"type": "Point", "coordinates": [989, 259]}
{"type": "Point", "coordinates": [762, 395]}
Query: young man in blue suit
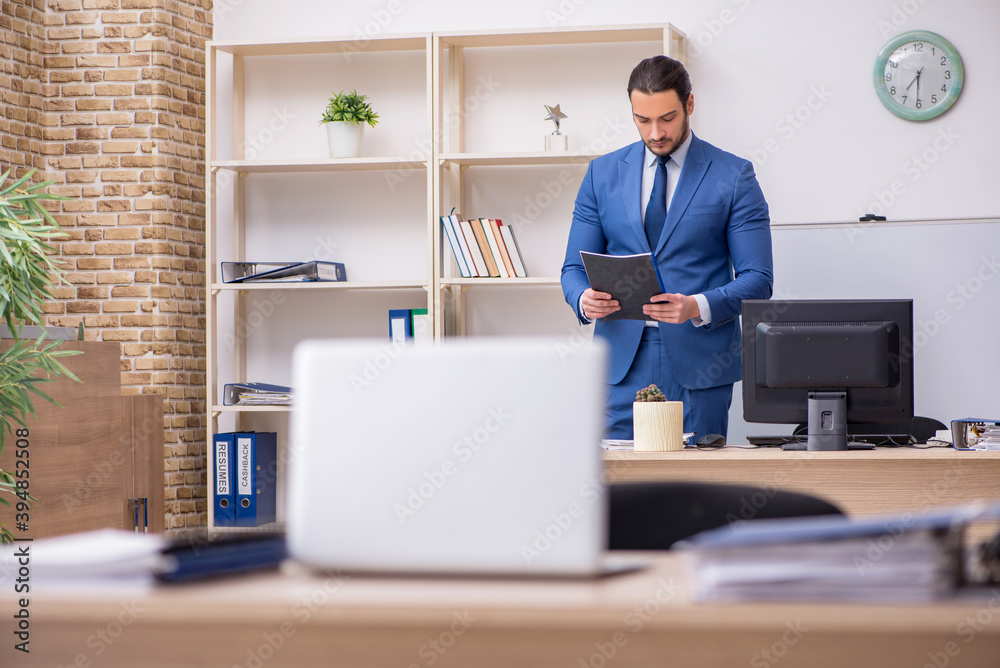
{"type": "Point", "coordinates": [713, 251]}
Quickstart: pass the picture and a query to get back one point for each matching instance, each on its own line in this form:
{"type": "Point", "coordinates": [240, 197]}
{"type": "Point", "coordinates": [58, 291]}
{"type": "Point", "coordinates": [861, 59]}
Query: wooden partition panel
{"type": "Point", "coordinates": [142, 446]}
{"type": "Point", "coordinates": [74, 462]}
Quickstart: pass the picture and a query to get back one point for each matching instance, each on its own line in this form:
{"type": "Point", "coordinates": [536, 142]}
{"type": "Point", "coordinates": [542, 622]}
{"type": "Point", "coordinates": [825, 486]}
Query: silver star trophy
{"type": "Point", "coordinates": [557, 140]}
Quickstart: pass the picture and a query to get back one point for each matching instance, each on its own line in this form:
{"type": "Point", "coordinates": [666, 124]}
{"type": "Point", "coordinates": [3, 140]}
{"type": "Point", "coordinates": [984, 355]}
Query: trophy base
{"type": "Point", "coordinates": [556, 143]}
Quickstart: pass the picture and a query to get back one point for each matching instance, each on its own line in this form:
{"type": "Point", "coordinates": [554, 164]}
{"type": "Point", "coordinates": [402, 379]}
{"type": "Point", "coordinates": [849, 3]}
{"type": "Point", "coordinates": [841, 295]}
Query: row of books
{"type": "Point", "coordinates": [244, 473]}
{"type": "Point", "coordinates": [409, 325]}
{"type": "Point", "coordinates": [484, 247]}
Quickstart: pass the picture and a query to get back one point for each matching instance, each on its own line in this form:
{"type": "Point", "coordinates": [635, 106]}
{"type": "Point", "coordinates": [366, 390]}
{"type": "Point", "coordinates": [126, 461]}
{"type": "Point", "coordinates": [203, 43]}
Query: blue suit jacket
{"type": "Point", "coordinates": [716, 241]}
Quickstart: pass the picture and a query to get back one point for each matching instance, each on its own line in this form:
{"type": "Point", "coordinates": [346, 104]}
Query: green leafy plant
{"type": "Point", "coordinates": [27, 274]}
{"type": "Point", "coordinates": [650, 393]}
{"type": "Point", "coordinates": [349, 108]}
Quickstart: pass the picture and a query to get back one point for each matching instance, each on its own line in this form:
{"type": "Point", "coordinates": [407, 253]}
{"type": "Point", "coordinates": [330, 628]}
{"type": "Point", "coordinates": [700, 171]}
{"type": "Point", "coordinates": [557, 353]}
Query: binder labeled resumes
{"type": "Point", "coordinates": [225, 496]}
{"type": "Point", "coordinates": [256, 476]}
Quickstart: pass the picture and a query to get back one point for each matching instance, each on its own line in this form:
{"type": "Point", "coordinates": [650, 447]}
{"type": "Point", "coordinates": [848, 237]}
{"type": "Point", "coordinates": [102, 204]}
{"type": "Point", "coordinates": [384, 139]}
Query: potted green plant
{"type": "Point", "coordinates": [658, 424]}
{"type": "Point", "coordinates": [344, 117]}
{"type": "Point", "coordinates": [27, 274]}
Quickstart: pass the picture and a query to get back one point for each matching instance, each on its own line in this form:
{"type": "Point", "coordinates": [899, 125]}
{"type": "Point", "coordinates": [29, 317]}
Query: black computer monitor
{"type": "Point", "coordinates": [828, 362]}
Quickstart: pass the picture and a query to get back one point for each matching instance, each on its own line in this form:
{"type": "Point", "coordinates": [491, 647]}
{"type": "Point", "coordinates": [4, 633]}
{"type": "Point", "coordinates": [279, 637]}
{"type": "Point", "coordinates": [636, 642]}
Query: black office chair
{"type": "Point", "coordinates": [920, 428]}
{"type": "Point", "coordinates": [655, 515]}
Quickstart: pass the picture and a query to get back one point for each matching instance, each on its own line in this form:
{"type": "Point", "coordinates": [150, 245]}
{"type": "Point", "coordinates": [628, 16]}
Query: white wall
{"type": "Point", "coordinates": [787, 84]}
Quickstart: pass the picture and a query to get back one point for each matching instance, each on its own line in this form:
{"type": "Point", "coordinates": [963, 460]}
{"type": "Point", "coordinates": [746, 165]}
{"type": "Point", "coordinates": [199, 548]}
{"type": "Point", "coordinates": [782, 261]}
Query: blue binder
{"type": "Point", "coordinates": [256, 476]}
{"type": "Point", "coordinates": [400, 326]}
{"type": "Point", "coordinates": [223, 478]}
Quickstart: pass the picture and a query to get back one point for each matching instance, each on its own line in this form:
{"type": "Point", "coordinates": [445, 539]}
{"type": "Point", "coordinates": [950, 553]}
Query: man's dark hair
{"type": "Point", "coordinates": [660, 73]}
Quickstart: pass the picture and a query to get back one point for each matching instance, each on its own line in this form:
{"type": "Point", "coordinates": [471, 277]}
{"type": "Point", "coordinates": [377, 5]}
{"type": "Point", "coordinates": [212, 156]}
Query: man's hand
{"type": "Point", "coordinates": [672, 308]}
{"type": "Point", "coordinates": [598, 304]}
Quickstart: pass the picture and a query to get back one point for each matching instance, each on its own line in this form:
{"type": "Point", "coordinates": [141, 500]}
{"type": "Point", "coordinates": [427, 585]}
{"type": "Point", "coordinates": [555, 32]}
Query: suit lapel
{"type": "Point", "coordinates": [695, 166]}
{"type": "Point", "coordinates": [630, 178]}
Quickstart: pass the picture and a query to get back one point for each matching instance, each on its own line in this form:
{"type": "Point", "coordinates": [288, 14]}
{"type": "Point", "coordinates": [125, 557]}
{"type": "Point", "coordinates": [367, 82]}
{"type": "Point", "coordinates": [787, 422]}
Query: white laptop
{"type": "Point", "coordinates": [470, 456]}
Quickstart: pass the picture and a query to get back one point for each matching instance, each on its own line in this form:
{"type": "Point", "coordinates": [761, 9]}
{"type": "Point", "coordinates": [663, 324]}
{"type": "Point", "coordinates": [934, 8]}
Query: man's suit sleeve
{"type": "Point", "coordinates": [749, 239]}
{"type": "Point", "coordinates": [585, 234]}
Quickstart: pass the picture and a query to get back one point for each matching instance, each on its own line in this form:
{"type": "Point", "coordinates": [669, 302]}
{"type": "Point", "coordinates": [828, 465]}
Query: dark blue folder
{"type": "Point", "coordinates": [256, 476]}
{"type": "Point", "coordinates": [223, 479]}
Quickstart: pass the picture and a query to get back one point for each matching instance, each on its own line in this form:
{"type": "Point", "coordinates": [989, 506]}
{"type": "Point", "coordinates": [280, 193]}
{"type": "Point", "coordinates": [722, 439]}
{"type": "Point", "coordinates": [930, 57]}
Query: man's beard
{"type": "Point", "coordinates": [673, 146]}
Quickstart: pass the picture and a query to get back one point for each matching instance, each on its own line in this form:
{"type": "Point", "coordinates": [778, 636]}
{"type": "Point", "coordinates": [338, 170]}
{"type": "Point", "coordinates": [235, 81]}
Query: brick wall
{"type": "Point", "coordinates": [108, 100]}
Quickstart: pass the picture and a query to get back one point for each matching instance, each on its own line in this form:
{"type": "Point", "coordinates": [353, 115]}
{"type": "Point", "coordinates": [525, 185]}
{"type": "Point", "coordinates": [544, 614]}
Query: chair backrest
{"type": "Point", "coordinates": [655, 515]}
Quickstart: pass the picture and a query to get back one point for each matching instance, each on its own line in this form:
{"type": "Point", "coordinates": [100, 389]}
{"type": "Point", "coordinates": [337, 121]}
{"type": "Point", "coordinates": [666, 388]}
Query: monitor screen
{"type": "Point", "coordinates": [828, 363]}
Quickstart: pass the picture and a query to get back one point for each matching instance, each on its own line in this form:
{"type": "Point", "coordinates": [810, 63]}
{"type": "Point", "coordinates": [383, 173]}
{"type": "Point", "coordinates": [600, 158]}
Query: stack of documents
{"type": "Point", "coordinates": [256, 394]}
{"type": "Point", "coordinates": [112, 557]}
{"type": "Point", "coordinates": [282, 272]}
{"type": "Point", "coordinates": [900, 559]}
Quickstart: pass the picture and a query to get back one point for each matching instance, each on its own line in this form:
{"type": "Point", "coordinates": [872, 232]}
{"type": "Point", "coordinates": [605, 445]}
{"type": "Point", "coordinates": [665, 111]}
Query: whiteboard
{"type": "Point", "coordinates": [951, 270]}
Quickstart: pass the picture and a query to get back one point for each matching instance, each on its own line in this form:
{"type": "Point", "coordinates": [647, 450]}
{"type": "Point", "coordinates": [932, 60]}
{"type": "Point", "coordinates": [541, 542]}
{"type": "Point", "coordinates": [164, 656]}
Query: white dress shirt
{"type": "Point", "coordinates": [674, 167]}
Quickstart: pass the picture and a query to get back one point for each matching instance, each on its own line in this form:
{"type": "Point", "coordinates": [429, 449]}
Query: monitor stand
{"type": "Point", "coordinates": [827, 426]}
{"type": "Point", "coordinates": [851, 445]}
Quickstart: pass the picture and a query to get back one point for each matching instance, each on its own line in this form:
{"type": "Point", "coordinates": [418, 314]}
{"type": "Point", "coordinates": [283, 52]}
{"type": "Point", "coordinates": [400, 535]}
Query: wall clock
{"type": "Point", "coordinates": [918, 75]}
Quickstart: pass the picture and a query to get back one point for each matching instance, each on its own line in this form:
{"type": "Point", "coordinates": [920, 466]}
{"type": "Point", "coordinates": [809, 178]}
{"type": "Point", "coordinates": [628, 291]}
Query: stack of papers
{"type": "Point", "coordinates": [113, 557]}
{"type": "Point", "coordinates": [256, 394]}
{"type": "Point", "coordinates": [891, 559]}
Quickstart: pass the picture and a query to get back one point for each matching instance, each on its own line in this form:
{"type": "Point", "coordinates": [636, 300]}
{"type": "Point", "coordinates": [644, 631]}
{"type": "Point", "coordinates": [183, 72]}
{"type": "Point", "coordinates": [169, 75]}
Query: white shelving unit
{"type": "Point", "coordinates": [452, 161]}
{"type": "Point", "coordinates": [435, 153]}
{"type": "Point", "coordinates": [227, 235]}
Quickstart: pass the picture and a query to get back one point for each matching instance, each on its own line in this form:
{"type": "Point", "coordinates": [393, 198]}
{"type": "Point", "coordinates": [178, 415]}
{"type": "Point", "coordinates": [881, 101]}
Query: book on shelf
{"type": "Point", "coordinates": [484, 247]}
{"type": "Point", "coordinates": [283, 272]}
{"type": "Point", "coordinates": [495, 226]}
{"type": "Point", "coordinates": [491, 241]}
{"type": "Point", "coordinates": [631, 279]}
{"type": "Point", "coordinates": [510, 241]}
{"type": "Point", "coordinates": [256, 394]}
{"type": "Point", "coordinates": [905, 557]}
{"type": "Point", "coordinates": [478, 261]}
{"type": "Point", "coordinates": [456, 223]}
{"type": "Point", "coordinates": [456, 246]}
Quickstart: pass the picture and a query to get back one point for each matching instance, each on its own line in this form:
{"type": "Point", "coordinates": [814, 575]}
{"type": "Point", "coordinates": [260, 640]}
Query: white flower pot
{"type": "Point", "coordinates": [345, 139]}
{"type": "Point", "coordinates": [658, 426]}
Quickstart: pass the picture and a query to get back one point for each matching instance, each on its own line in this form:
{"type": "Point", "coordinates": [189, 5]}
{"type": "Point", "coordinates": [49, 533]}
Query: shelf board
{"type": "Point", "coordinates": [317, 46]}
{"type": "Point", "coordinates": [250, 409]}
{"type": "Point", "coordinates": [322, 285]}
{"type": "Point", "coordinates": [550, 37]}
{"type": "Point", "coordinates": [480, 282]}
{"type": "Point", "coordinates": [317, 165]}
{"type": "Point", "coordinates": [266, 529]}
{"type": "Point", "coordinates": [526, 158]}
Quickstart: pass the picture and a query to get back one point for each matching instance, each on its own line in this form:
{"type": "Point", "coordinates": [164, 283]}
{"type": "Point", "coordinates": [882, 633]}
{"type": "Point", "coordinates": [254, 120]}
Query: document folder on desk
{"type": "Point", "coordinates": [222, 471]}
{"type": "Point", "coordinates": [907, 557]}
{"type": "Point", "coordinates": [256, 476]}
{"type": "Point", "coordinates": [283, 272]}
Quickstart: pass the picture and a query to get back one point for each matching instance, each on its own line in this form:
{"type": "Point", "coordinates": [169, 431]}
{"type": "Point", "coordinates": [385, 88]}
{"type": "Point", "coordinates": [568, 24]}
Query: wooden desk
{"type": "Point", "coordinates": [861, 482]}
{"type": "Point", "coordinates": [638, 619]}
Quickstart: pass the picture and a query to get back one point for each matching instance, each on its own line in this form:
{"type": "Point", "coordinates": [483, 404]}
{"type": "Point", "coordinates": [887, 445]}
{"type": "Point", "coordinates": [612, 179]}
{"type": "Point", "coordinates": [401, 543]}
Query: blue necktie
{"type": "Point", "coordinates": [656, 209]}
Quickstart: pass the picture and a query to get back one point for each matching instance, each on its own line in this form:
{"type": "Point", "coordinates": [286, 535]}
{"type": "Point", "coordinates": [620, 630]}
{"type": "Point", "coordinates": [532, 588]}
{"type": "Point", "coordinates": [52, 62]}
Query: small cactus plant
{"type": "Point", "coordinates": [650, 393]}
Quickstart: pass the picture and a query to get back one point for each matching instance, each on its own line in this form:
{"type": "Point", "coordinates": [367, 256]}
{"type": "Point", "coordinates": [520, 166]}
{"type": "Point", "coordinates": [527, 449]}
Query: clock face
{"type": "Point", "coordinates": [918, 75]}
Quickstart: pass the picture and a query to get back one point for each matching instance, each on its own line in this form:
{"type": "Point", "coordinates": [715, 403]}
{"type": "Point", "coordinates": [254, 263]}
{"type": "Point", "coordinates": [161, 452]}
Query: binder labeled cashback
{"type": "Point", "coordinates": [283, 272]}
{"type": "Point", "coordinates": [223, 478]}
{"type": "Point", "coordinates": [256, 477]}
